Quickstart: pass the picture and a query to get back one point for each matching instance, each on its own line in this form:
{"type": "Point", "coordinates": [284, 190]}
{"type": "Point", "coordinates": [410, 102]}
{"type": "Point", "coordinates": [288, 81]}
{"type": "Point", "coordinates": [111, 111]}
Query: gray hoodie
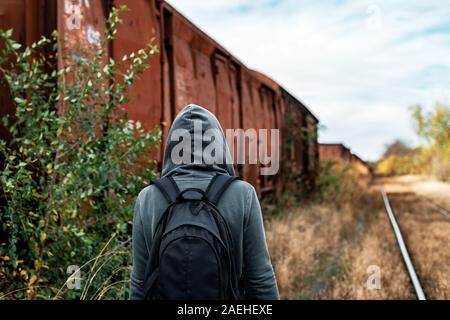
{"type": "Point", "coordinates": [239, 205]}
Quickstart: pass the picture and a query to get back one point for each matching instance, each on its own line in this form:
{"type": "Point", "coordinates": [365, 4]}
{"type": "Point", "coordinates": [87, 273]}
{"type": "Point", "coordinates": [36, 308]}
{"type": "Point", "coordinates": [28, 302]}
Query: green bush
{"type": "Point", "coordinates": [434, 128]}
{"type": "Point", "coordinates": [329, 182]}
{"type": "Point", "coordinates": [72, 169]}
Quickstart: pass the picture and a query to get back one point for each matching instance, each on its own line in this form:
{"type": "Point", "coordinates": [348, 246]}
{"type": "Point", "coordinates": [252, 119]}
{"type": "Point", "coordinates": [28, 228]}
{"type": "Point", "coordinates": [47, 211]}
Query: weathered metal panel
{"type": "Point", "coordinates": [294, 158]}
{"type": "Point", "coordinates": [268, 123]}
{"type": "Point", "coordinates": [251, 170]}
{"type": "Point", "coordinates": [227, 98]}
{"type": "Point", "coordinates": [235, 110]}
{"type": "Point", "coordinates": [279, 185]}
{"type": "Point", "coordinates": [335, 152]}
{"type": "Point", "coordinates": [167, 76]}
{"type": "Point", "coordinates": [312, 150]}
{"type": "Point", "coordinates": [29, 19]}
{"type": "Point", "coordinates": [184, 73]}
{"type": "Point", "coordinates": [167, 93]}
{"type": "Point", "coordinates": [11, 16]}
{"type": "Point", "coordinates": [285, 147]}
{"type": "Point", "coordinates": [206, 93]}
{"type": "Point", "coordinates": [81, 26]}
{"type": "Point", "coordinates": [40, 16]}
{"type": "Point", "coordinates": [258, 121]}
{"type": "Point", "coordinates": [12, 13]}
{"type": "Point", "coordinates": [224, 93]}
{"type": "Point", "coordinates": [140, 27]}
{"type": "Point", "coordinates": [235, 97]}
{"type": "Point", "coordinates": [193, 70]}
{"type": "Point", "coordinates": [342, 156]}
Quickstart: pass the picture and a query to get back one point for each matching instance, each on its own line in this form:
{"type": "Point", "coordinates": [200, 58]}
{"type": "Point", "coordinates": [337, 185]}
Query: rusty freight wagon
{"type": "Point", "coordinates": [190, 68]}
{"type": "Point", "coordinates": [343, 157]}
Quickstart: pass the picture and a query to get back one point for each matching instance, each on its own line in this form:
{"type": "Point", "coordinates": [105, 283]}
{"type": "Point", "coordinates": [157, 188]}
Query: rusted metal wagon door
{"type": "Point", "coordinates": [224, 94]}
{"type": "Point", "coordinates": [283, 147]}
{"type": "Point", "coordinates": [184, 73]}
{"type": "Point", "coordinates": [278, 112]}
{"type": "Point", "coordinates": [228, 102]}
{"type": "Point", "coordinates": [141, 26]}
{"type": "Point", "coordinates": [251, 170]}
{"type": "Point", "coordinates": [258, 122]}
{"type": "Point", "coordinates": [293, 145]}
{"type": "Point", "coordinates": [235, 112]}
{"type": "Point", "coordinates": [269, 122]}
{"type": "Point", "coordinates": [188, 73]}
{"type": "Point", "coordinates": [204, 71]}
{"type": "Point", "coordinates": [167, 76]}
{"type": "Point", "coordinates": [81, 26]}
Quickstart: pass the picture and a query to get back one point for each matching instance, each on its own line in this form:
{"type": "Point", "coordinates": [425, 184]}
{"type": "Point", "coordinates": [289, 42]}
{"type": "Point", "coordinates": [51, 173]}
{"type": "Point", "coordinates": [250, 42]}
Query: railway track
{"type": "Point", "coordinates": [403, 249]}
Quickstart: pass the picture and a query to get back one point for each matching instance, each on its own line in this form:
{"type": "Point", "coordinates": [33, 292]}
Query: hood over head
{"type": "Point", "coordinates": [196, 145]}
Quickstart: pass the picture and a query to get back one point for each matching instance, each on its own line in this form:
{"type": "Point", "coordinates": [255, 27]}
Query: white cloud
{"type": "Point", "coordinates": [358, 65]}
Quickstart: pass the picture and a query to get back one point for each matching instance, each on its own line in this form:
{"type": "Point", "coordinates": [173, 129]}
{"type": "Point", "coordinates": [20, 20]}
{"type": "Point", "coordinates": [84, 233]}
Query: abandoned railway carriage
{"type": "Point", "coordinates": [190, 68]}
{"type": "Point", "coordinates": [341, 155]}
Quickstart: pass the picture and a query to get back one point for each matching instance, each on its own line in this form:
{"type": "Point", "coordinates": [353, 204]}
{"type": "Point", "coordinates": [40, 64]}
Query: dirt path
{"type": "Point", "coordinates": [422, 209]}
{"type": "Point", "coordinates": [436, 191]}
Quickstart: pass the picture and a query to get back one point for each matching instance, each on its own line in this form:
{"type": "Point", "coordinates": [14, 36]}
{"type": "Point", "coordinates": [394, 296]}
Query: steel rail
{"type": "Point", "coordinates": [412, 272]}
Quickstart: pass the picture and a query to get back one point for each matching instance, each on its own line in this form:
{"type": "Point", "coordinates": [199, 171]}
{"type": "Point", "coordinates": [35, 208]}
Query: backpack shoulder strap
{"type": "Point", "coordinates": [168, 188]}
{"type": "Point", "coordinates": [218, 185]}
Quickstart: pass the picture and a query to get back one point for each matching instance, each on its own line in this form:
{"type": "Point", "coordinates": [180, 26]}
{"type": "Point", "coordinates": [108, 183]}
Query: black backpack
{"type": "Point", "coordinates": [192, 251]}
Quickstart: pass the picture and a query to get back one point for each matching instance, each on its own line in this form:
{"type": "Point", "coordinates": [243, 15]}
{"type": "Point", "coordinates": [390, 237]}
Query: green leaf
{"type": "Point", "coordinates": [8, 33]}
{"type": "Point", "coordinates": [16, 45]}
{"type": "Point", "coordinates": [5, 120]}
{"type": "Point", "coordinates": [20, 101]}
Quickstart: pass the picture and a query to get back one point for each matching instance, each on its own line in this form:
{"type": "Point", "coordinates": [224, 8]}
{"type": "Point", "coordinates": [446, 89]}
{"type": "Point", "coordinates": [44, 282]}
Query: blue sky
{"type": "Point", "coordinates": [358, 65]}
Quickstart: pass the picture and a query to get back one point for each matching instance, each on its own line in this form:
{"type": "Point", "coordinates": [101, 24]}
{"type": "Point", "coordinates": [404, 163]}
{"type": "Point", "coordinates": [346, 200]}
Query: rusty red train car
{"type": "Point", "coordinates": [190, 68]}
{"type": "Point", "coordinates": [335, 152]}
{"type": "Point", "coordinates": [341, 155]}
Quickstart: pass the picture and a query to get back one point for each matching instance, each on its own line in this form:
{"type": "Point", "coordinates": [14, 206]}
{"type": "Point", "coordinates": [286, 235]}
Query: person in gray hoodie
{"type": "Point", "coordinates": [239, 206]}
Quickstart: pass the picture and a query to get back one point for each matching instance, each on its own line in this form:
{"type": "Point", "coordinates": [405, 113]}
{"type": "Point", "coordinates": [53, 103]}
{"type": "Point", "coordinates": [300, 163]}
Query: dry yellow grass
{"type": "Point", "coordinates": [323, 251]}
{"type": "Point", "coordinates": [426, 228]}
